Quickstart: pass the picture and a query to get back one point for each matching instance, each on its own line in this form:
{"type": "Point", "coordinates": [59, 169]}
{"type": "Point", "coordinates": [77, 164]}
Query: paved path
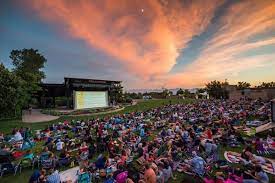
{"type": "Point", "coordinates": [36, 116]}
{"type": "Point", "coordinates": [69, 175]}
{"type": "Point", "coordinates": [265, 127]}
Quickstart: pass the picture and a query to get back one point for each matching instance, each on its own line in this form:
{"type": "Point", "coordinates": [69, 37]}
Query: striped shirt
{"type": "Point", "coordinates": [54, 177]}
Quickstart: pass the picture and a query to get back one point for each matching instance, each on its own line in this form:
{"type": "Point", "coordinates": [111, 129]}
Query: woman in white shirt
{"type": "Point", "coordinates": [18, 136]}
{"type": "Point", "coordinates": [59, 145]}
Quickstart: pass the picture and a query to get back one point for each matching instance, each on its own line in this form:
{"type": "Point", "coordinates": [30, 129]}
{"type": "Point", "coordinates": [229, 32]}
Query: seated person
{"type": "Point", "coordinates": [64, 158]}
{"type": "Point", "coordinates": [149, 174]}
{"type": "Point", "coordinates": [84, 175]}
{"type": "Point", "coordinates": [2, 138]}
{"type": "Point", "coordinates": [259, 176]}
{"type": "Point", "coordinates": [45, 153]}
{"type": "Point", "coordinates": [246, 155]}
{"type": "Point", "coordinates": [208, 147]}
{"type": "Point", "coordinates": [38, 176]}
{"type": "Point", "coordinates": [101, 162]}
{"type": "Point", "coordinates": [18, 136]}
{"type": "Point", "coordinates": [252, 158]}
{"type": "Point", "coordinates": [270, 141]}
{"type": "Point", "coordinates": [123, 157]}
{"type": "Point", "coordinates": [29, 155]}
{"type": "Point", "coordinates": [84, 147]}
{"type": "Point", "coordinates": [197, 164]}
{"type": "Point", "coordinates": [5, 150]}
{"type": "Point", "coordinates": [59, 145]}
{"type": "Point", "coordinates": [54, 176]}
{"type": "Point", "coordinates": [167, 171]}
{"type": "Point", "coordinates": [50, 144]}
{"type": "Point", "coordinates": [118, 171]}
{"type": "Point", "coordinates": [159, 173]}
{"type": "Point", "coordinates": [139, 150]}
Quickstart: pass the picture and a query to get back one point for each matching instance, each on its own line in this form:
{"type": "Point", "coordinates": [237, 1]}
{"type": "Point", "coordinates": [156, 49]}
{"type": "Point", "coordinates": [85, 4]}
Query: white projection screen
{"type": "Point", "coordinates": [90, 99]}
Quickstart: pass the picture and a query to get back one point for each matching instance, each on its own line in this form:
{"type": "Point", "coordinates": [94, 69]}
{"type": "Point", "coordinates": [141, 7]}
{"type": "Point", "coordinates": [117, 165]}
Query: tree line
{"type": "Point", "coordinates": [217, 89]}
{"type": "Point", "coordinates": [19, 83]}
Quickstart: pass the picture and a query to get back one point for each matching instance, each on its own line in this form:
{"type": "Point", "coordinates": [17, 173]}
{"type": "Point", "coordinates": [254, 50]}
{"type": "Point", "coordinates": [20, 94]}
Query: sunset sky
{"type": "Point", "coordinates": [145, 43]}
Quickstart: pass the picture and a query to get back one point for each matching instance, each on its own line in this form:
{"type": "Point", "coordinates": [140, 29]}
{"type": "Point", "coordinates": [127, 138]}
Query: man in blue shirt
{"type": "Point", "coordinates": [197, 164]}
{"type": "Point", "coordinates": [54, 177]}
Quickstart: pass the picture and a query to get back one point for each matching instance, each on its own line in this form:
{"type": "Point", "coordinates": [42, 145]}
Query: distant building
{"type": "Point", "coordinates": [254, 93]}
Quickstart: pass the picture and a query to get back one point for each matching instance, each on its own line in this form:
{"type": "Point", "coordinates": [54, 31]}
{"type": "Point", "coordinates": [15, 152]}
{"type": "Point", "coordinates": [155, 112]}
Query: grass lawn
{"type": "Point", "coordinates": [7, 126]}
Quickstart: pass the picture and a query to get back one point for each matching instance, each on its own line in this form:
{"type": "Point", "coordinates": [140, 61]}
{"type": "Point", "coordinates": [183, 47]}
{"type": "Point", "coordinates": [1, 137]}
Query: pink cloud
{"type": "Point", "coordinates": [221, 58]}
{"type": "Point", "coordinates": [146, 43]}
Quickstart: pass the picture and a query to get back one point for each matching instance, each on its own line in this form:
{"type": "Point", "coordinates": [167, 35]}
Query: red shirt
{"type": "Point", "coordinates": [209, 134]}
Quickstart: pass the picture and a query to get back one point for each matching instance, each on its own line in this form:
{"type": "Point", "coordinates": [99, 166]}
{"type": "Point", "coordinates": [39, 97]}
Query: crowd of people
{"type": "Point", "coordinates": [153, 146]}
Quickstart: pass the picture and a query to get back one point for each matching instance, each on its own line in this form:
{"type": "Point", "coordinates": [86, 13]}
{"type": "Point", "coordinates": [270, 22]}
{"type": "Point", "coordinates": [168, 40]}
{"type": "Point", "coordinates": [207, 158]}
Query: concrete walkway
{"type": "Point", "coordinates": [36, 116]}
{"type": "Point", "coordinates": [265, 127]}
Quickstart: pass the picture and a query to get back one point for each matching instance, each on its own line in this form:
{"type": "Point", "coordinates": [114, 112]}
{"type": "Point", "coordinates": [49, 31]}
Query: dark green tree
{"type": "Point", "coordinates": [267, 85]}
{"type": "Point", "coordinates": [217, 89]}
{"type": "Point", "coordinates": [117, 95]}
{"type": "Point", "coordinates": [187, 94]}
{"type": "Point", "coordinates": [12, 94]}
{"type": "Point", "coordinates": [28, 65]}
{"type": "Point", "coordinates": [201, 90]}
{"type": "Point", "coordinates": [242, 85]}
{"type": "Point", "coordinates": [180, 92]}
{"type": "Point", "coordinates": [166, 93]}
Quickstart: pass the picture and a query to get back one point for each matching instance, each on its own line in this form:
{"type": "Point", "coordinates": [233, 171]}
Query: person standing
{"type": "Point", "coordinates": [30, 110]}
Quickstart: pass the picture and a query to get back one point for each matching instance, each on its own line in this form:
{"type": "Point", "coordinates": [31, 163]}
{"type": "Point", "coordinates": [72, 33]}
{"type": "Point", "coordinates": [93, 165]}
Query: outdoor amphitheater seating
{"type": "Point", "coordinates": [168, 135]}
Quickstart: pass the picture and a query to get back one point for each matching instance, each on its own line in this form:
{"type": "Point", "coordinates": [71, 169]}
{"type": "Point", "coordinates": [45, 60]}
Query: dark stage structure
{"type": "Point", "coordinates": [49, 92]}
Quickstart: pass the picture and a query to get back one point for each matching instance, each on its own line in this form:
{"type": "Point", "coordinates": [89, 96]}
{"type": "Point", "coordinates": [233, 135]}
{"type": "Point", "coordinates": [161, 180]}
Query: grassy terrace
{"type": "Point", "coordinates": [7, 126]}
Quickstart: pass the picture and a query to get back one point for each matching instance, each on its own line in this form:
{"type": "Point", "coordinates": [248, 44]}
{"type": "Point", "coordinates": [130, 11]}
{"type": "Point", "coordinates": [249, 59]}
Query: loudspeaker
{"type": "Point", "coordinates": [273, 110]}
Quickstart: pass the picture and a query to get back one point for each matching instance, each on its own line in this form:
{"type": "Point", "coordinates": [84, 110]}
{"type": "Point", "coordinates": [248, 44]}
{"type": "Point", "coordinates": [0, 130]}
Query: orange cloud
{"type": "Point", "coordinates": [147, 42]}
{"type": "Point", "coordinates": [221, 58]}
{"type": "Point", "coordinates": [147, 36]}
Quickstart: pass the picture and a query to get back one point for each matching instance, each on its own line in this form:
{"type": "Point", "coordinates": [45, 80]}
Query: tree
{"type": "Point", "coordinates": [243, 85]}
{"type": "Point", "coordinates": [166, 93]}
{"type": "Point", "coordinates": [12, 94]}
{"type": "Point", "coordinates": [180, 92]}
{"type": "Point", "coordinates": [27, 66]}
{"type": "Point", "coordinates": [117, 94]}
{"type": "Point", "coordinates": [201, 90]}
{"type": "Point", "coordinates": [187, 93]}
{"type": "Point", "coordinates": [267, 85]}
{"type": "Point", "coordinates": [217, 89]}
{"type": "Point", "coordinates": [133, 95]}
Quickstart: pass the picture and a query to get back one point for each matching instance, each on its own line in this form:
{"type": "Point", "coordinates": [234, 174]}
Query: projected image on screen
{"type": "Point", "coordinates": [90, 99]}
